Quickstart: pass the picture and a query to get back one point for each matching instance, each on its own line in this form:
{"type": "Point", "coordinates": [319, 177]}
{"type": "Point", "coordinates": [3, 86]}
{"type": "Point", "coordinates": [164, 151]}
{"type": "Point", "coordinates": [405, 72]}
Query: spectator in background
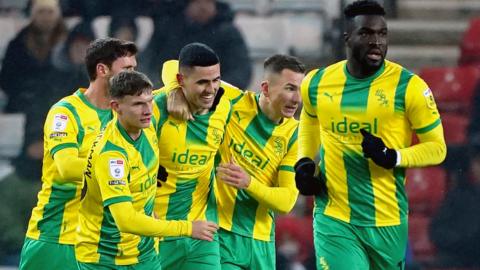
{"type": "Point", "coordinates": [28, 78]}
{"type": "Point", "coordinates": [206, 21]}
{"type": "Point", "coordinates": [455, 229]}
{"type": "Point", "coordinates": [69, 57]}
{"type": "Point", "coordinates": [123, 28]}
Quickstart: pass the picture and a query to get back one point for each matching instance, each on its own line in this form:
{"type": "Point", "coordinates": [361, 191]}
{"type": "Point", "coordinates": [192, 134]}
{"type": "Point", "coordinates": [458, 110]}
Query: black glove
{"type": "Point", "coordinates": [161, 175]}
{"type": "Point", "coordinates": [374, 148]}
{"type": "Point", "coordinates": [305, 179]}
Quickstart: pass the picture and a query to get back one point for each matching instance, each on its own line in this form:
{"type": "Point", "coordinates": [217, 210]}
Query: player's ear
{"type": "Point", "coordinates": [180, 79]}
{"type": "Point", "coordinates": [114, 105]}
{"type": "Point", "coordinates": [264, 87]}
{"type": "Point", "coordinates": [102, 69]}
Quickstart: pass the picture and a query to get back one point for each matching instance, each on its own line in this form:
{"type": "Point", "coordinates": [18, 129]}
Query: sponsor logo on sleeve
{"type": "Point", "coordinates": [117, 168]}
{"type": "Point", "coordinates": [54, 135]}
{"type": "Point", "coordinates": [59, 122]}
{"type": "Point", "coordinates": [116, 183]}
{"type": "Point", "coordinates": [429, 98]}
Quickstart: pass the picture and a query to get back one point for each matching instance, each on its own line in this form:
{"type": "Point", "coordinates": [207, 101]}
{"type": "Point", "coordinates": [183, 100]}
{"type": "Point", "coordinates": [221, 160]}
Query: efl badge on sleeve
{"type": "Point", "coordinates": [429, 98]}
{"type": "Point", "coordinates": [59, 122]}
{"type": "Point", "coordinates": [117, 168]}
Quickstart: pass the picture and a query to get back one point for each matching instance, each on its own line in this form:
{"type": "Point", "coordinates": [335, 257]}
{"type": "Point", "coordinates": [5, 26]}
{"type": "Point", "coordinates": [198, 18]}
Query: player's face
{"type": "Point", "coordinates": [200, 86]}
{"type": "Point", "coordinates": [128, 62]}
{"type": "Point", "coordinates": [284, 92]}
{"type": "Point", "coordinates": [367, 41]}
{"type": "Point", "coordinates": [134, 112]}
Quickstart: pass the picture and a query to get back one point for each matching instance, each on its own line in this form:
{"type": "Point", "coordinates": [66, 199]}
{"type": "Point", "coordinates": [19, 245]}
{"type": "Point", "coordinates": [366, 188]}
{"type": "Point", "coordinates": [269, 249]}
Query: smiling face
{"type": "Point", "coordinates": [200, 86]}
{"type": "Point", "coordinates": [367, 42]}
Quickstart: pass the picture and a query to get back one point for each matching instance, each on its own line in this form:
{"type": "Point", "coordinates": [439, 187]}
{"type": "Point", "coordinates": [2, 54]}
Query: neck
{"type": "Point", "coordinates": [267, 110]}
{"type": "Point", "coordinates": [359, 71]}
{"type": "Point", "coordinates": [133, 132]}
{"type": "Point", "coordinates": [97, 94]}
{"type": "Point", "coordinates": [199, 111]}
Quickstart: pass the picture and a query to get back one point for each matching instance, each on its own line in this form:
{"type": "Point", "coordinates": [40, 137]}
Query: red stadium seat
{"type": "Point", "coordinates": [455, 128]}
{"type": "Point", "coordinates": [425, 188]}
{"type": "Point", "coordinates": [298, 228]}
{"type": "Point", "coordinates": [452, 87]}
{"type": "Point", "coordinates": [418, 227]}
{"type": "Point", "coordinates": [470, 45]}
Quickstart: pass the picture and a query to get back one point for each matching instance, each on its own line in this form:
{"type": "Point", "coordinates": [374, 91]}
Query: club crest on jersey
{"type": "Point", "coordinates": [429, 98]}
{"type": "Point", "coordinates": [381, 97]}
{"type": "Point", "coordinates": [117, 168]}
{"type": "Point", "coordinates": [59, 122]}
{"type": "Point", "coordinates": [216, 136]}
{"type": "Point", "coordinates": [278, 146]}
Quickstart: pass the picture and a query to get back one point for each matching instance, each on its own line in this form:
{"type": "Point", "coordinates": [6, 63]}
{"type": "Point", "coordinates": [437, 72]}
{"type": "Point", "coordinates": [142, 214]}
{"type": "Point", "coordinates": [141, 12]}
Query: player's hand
{"type": "Point", "coordinates": [305, 179]}
{"type": "Point", "coordinates": [373, 147]}
{"type": "Point", "coordinates": [204, 230]}
{"type": "Point", "coordinates": [177, 105]}
{"type": "Point", "coordinates": [234, 175]}
{"type": "Point", "coordinates": [162, 175]}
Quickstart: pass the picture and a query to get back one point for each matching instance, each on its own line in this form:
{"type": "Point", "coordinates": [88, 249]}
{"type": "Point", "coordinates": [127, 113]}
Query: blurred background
{"type": "Point", "coordinates": [41, 54]}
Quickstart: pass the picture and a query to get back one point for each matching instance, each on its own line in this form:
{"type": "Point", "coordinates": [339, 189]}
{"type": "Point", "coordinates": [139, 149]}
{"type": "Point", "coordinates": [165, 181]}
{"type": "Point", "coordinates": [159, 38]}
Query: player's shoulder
{"type": "Point", "coordinates": [290, 125]}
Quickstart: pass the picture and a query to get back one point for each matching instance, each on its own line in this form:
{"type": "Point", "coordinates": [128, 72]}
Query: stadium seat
{"type": "Point", "coordinates": [455, 128]}
{"type": "Point", "coordinates": [425, 188]}
{"type": "Point", "coordinates": [470, 44]}
{"type": "Point", "coordinates": [423, 249]}
{"type": "Point", "coordinates": [297, 228]}
{"type": "Point", "coordinates": [452, 87]}
{"type": "Point", "coordinates": [11, 141]}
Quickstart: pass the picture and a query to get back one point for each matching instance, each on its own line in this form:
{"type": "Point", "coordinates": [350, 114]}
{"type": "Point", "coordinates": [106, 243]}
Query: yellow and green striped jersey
{"type": "Point", "coordinates": [187, 152]}
{"type": "Point", "coordinates": [71, 122]}
{"type": "Point", "coordinates": [119, 169]}
{"type": "Point", "coordinates": [263, 149]}
{"type": "Point", "coordinates": [390, 104]}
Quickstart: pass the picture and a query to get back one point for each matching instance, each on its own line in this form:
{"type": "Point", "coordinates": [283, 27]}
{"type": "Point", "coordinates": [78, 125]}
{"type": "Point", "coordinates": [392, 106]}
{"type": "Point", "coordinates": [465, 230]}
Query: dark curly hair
{"type": "Point", "coordinates": [363, 7]}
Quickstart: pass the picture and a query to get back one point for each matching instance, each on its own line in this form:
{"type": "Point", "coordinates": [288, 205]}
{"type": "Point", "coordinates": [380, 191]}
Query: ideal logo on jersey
{"type": "Point", "coordinates": [248, 154]}
{"type": "Point", "coordinates": [192, 159]}
{"type": "Point", "coordinates": [151, 181]}
{"type": "Point", "coordinates": [59, 122]}
{"type": "Point", "coordinates": [117, 168]}
{"type": "Point", "coordinates": [345, 126]}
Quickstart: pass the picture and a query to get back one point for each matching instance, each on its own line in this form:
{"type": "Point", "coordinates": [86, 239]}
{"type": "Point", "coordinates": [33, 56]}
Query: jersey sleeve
{"type": "Point", "coordinates": [60, 130]}
{"type": "Point", "coordinates": [308, 137]}
{"type": "Point", "coordinates": [421, 108]}
{"type": "Point", "coordinates": [112, 173]}
{"type": "Point", "coordinates": [424, 118]}
{"type": "Point", "coordinates": [233, 93]}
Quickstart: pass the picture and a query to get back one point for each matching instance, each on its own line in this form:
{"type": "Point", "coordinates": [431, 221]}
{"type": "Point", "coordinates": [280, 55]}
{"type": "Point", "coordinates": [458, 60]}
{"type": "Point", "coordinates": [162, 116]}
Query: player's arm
{"type": "Point", "coordinates": [424, 117]}
{"type": "Point", "coordinates": [280, 199]}
{"type": "Point", "coordinates": [130, 221]}
{"type": "Point", "coordinates": [177, 105]}
{"type": "Point", "coordinates": [308, 135]}
{"type": "Point", "coordinates": [112, 170]}
{"type": "Point", "coordinates": [61, 132]}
